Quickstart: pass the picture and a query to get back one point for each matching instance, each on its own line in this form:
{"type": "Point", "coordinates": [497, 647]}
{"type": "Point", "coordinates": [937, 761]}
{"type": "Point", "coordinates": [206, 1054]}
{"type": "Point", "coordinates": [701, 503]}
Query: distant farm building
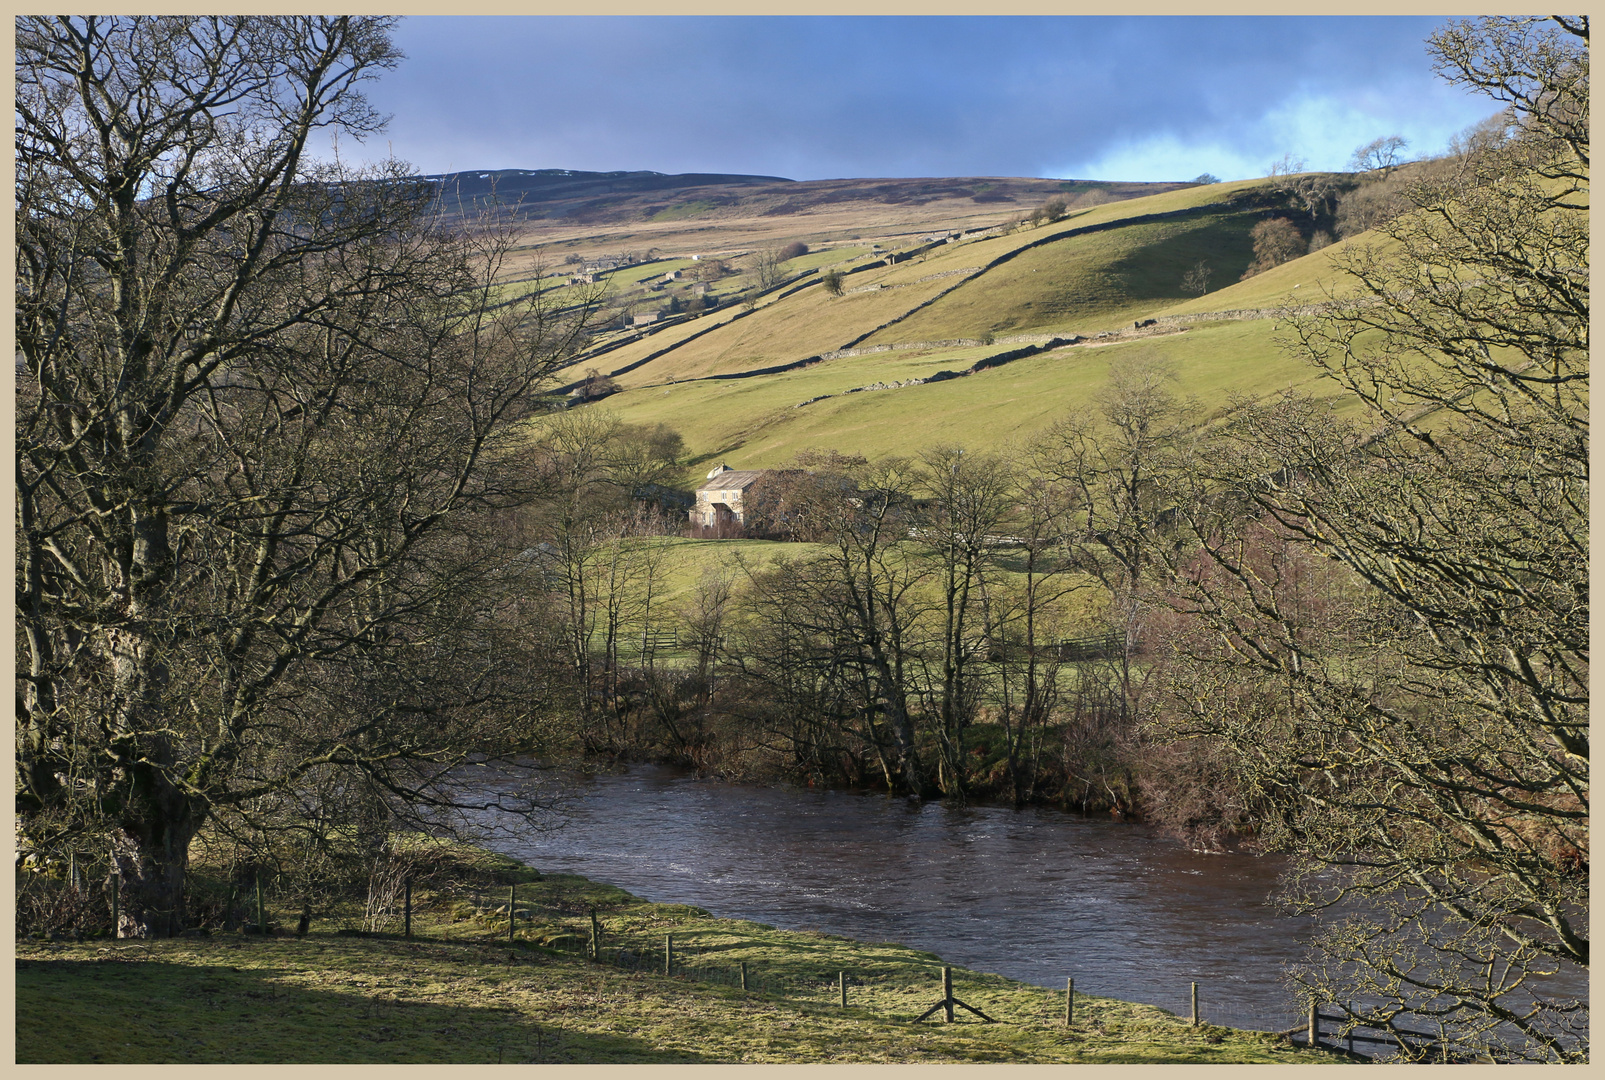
{"type": "Point", "coordinates": [648, 318]}
{"type": "Point", "coordinates": [672, 275]}
{"type": "Point", "coordinates": [721, 499]}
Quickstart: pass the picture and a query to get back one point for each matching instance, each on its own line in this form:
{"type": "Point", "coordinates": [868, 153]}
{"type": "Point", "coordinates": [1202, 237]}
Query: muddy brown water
{"type": "Point", "coordinates": [1037, 894]}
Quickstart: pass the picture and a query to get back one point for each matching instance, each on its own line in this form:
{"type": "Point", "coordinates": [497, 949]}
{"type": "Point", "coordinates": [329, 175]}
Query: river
{"type": "Point", "coordinates": [1036, 894]}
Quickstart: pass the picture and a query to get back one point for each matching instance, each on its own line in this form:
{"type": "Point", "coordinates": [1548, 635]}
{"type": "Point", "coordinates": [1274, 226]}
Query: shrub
{"type": "Point", "coordinates": [1276, 241]}
{"type": "Point", "coordinates": [1052, 209]}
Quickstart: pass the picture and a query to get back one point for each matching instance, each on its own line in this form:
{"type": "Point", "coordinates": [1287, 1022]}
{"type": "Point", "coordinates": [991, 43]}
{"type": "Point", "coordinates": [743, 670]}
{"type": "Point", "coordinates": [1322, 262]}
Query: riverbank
{"type": "Point", "coordinates": [459, 992]}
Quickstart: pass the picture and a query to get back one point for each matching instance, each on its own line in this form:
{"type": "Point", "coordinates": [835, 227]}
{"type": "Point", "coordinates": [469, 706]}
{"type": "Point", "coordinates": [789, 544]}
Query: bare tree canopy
{"type": "Point", "coordinates": [1397, 655]}
{"type": "Point", "coordinates": [1382, 154]}
{"type": "Point", "coordinates": [1276, 241]}
{"type": "Point", "coordinates": [261, 410]}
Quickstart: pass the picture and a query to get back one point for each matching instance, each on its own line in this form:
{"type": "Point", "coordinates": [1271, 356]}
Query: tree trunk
{"type": "Point", "coordinates": [151, 856]}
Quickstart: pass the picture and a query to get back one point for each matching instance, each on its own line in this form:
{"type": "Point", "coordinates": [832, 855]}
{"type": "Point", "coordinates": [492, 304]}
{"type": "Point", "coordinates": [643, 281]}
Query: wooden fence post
{"type": "Point", "coordinates": [743, 974]}
{"type": "Point", "coordinates": [1069, 1002]}
{"type": "Point", "coordinates": [1195, 1004]}
{"type": "Point", "coordinates": [512, 898]}
{"type": "Point", "coordinates": [261, 906]}
{"type": "Point", "coordinates": [947, 995]}
{"type": "Point", "coordinates": [407, 909]}
{"type": "Point", "coordinates": [116, 905]}
{"type": "Point", "coordinates": [841, 981]}
{"type": "Point", "coordinates": [1315, 1025]}
{"type": "Point", "coordinates": [596, 937]}
{"type": "Point", "coordinates": [668, 954]}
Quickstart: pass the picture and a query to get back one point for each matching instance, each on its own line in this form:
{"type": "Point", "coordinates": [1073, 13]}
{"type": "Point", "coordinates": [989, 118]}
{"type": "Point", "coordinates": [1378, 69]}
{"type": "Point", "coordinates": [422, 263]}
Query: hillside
{"type": "Point", "coordinates": [567, 213]}
{"type": "Point", "coordinates": [922, 346]}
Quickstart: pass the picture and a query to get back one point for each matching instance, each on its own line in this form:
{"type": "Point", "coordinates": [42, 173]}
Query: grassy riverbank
{"type": "Point", "coordinates": [459, 992]}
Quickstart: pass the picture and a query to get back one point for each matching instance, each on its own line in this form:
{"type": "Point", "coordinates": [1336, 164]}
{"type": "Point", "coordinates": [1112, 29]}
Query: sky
{"type": "Point", "coordinates": [1073, 97]}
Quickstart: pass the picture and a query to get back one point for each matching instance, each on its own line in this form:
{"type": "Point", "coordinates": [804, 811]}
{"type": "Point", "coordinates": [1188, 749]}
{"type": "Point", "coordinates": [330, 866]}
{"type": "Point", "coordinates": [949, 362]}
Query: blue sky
{"type": "Point", "coordinates": [1141, 98]}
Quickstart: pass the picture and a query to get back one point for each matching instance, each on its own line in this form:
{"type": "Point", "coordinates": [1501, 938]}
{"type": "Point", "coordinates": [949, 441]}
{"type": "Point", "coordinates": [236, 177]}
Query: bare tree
{"type": "Point", "coordinates": [1400, 664]}
{"type": "Point", "coordinates": [969, 505]}
{"type": "Point", "coordinates": [1196, 279]}
{"type": "Point", "coordinates": [859, 514]}
{"type": "Point", "coordinates": [262, 404]}
{"type": "Point", "coordinates": [1286, 165]}
{"type": "Point", "coordinates": [1027, 616]}
{"type": "Point", "coordinates": [592, 536]}
{"type": "Point", "coordinates": [1118, 466]}
{"type": "Point", "coordinates": [1382, 155]}
{"type": "Point", "coordinates": [767, 263]}
{"type": "Point", "coordinates": [596, 385]}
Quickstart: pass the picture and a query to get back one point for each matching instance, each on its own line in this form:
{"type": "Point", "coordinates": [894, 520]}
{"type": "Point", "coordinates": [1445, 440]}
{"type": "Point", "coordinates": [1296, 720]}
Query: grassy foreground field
{"type": "Point", "coordinates": [459, 992]}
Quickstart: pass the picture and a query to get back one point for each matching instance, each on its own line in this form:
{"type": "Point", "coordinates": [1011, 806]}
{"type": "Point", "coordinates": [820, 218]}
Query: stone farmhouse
{"type": "Point", "coordinates": [719, 499]}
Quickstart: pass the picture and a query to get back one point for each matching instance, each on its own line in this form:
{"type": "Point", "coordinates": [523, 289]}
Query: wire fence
{"type": "Point", "coordinates": [77, 905]}
{"type": "Point", "coordinates": [669, 954]}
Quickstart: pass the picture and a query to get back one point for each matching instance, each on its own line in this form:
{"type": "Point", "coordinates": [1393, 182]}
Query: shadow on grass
{"type": "Point", "coordinates": [126, 1011]}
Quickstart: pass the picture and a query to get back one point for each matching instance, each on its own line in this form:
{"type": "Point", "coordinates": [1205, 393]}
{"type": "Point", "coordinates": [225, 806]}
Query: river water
{"type": "Point", "coordinates": [1036, 894]}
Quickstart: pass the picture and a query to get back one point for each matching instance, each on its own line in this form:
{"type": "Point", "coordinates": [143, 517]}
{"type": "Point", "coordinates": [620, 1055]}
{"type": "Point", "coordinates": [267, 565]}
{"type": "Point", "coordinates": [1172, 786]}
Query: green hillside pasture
{"type": "Point", "coordinates": [811, 321]}
{"type": "Point", "coordinates": [1085, 284]}
{"type": "Point", "coordinates": [779, 332]}
{"type": "Point", "coordinates": [753, 423]}
{"type": "Point", "coordinates": [711, 413]}
{"type": "Point", "coordinates": [627, 276]}
{"type": "Point", "coordinates": [1179, 199]}
{"type": "Point", "coordinates": [1303, 281]}
{"type": "Point", "coordinates": [632, 350]}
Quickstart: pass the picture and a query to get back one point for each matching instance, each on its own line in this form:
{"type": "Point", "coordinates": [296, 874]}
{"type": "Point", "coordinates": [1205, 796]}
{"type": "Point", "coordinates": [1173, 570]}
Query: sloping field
{"type": "Point", "coordinates": [1085, 283]}
{"type": "Point", "coordinates": [1091, 274]}
{"type": "Point", "coordinates": [1302, 281]}
{"type": "Point", "coordinates": [807, 324]}
{"type": "Point", "coordinates": [1092, 271]}
{"type": "Point", "coordinates": [759, 423]}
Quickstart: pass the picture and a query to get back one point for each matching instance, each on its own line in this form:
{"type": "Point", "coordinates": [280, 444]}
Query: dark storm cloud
{"type": "Point", "coordinates": [822, 97]}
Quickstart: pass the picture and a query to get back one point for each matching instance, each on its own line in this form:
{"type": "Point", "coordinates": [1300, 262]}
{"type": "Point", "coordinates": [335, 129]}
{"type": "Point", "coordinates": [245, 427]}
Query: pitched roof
{"type": "Point", "coordinates": [731, 478]}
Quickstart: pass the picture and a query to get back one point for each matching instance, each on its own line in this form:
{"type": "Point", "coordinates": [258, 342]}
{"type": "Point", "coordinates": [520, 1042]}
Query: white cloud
{"type": "Point", "coordinates": [1323, 131]}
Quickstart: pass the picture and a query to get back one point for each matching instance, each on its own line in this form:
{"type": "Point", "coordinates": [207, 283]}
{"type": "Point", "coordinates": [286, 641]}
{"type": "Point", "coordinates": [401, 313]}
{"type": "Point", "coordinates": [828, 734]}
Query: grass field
{"type": "Point", "coordinates": [757, 423]}
{"type": "Point", "coordinates": [459, 992]}
{"type": "Point", "coordinates": [1053, 278]}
